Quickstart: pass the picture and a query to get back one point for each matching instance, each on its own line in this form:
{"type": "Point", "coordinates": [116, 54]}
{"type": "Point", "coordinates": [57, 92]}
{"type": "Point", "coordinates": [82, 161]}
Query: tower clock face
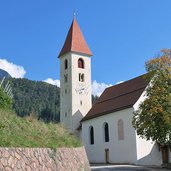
{"type": "Point", "coordinates": [82, 89]}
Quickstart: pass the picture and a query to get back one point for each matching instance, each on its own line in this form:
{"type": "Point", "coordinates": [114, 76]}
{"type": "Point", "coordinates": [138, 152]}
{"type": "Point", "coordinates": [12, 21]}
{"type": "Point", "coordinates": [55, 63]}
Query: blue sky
{"type": "Point", "coordinates": [121, 34]}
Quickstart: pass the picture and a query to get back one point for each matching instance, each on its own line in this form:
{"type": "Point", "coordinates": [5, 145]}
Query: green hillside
{"type": "Point", "coordinates": [29, 132]}
{"type": "Point", "coordinates": [36, 98]}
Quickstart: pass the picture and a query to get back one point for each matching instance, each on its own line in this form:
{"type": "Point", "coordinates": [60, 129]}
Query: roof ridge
{"type": "Point", "coordinates": [108, 112]}
{"type": "Point", "coordinates": [124, 82]}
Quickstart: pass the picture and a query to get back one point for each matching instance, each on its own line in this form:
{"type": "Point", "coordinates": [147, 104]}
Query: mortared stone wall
{"type": "Point", "coordinates": [43, 159]}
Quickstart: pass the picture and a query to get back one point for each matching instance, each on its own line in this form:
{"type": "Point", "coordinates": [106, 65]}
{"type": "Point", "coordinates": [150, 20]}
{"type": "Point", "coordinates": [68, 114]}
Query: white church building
{"type": "Point", "coordinates": [106, 127]}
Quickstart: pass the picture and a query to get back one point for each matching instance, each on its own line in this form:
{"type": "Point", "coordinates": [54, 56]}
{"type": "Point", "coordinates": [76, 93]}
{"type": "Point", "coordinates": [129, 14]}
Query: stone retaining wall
{"type": "Point", "coordinates": [43, 159]}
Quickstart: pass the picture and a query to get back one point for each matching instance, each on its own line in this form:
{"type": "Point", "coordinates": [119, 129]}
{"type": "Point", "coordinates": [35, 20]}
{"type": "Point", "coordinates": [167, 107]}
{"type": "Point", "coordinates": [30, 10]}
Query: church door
{"type": "Point", "coordinates": [107, 155]}
{"type": "Point", "coordinates": [165, 154]}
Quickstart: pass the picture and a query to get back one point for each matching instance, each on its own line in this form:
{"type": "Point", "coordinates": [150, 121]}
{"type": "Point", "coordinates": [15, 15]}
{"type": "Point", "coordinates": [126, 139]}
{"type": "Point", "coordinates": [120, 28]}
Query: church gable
{"type": "Point", "coordinates": [118, 97]}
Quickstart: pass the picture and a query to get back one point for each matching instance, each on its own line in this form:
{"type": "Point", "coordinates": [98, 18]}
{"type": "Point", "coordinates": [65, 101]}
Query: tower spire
{"type": "Point", "coordinates": [75, 41]}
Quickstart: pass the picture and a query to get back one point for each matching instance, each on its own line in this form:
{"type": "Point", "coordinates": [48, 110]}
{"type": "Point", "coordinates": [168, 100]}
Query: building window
{"type": "Point", "coordinates": [106, 132]}
{"type": "Point", "coordinates": [91, 135]}
{"type": "Point", "coordinates": [65, 114]}
{"type": "Point", "coordinates": [120, 129]}
{"type": "Point", "coordinates": [81, 102]}
{"type": "Point", "coordinates": [80, 63]}
{"type": "Point", "coordinates": [65, 91]}
{"type": "Point", "coordinates": [66, 78]}
{"type": "Point", "coordinates": [81, 77]}
{"type": "Point", "coordinates": [66, 64]}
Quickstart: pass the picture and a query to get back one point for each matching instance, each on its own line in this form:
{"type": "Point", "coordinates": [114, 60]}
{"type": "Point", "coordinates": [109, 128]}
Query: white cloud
{"type": "Point", "coordinates": [98, 88]}
{"type": "Point", "coordinates": [53, 82]}
{"type": "Point", "coordinates": [13, 69]}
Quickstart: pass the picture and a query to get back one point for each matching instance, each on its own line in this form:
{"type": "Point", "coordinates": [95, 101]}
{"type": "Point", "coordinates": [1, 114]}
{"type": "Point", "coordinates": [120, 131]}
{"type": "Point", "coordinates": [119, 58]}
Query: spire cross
{"type": "Point", "coordinates": [74, 14]}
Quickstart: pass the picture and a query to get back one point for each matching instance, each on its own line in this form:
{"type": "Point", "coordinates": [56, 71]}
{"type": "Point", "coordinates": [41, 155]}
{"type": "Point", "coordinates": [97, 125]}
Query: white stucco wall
{"type": "Point", "coordinates": [73, 103]}
{"type": "Point", "coordinates": [169, 156]}
{"type": "Point", "coordinates": [132, 149]}
{"type": "Point", "coordinates": [148, 152]}
{"type": "Point", "coordinates": [80, 110]}
{"type": "Point", "coordinates": [65, 98]}
{"type": "Point", "coordinates": [120, 151]}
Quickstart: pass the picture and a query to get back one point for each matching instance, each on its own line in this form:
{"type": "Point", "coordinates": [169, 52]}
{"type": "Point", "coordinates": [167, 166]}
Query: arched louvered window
{"type": "Point", "coordinates": [80, 63]}
{"type": "Point", "coordinates": [120, 129]}
{"type": "Point", "coordinates": [91, 135]}
{"type": "Point", "coordinates": [65, 78]}
{"type": "Point", "coordinates": [81, 77]}
{"type": "Point", "coordinates": [106, 132]}
{"type": "Point", "coordinates": [66, 64]}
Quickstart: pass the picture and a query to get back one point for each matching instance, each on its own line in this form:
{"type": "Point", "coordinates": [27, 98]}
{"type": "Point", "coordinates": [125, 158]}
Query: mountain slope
{"type": "Point", "coordinates": [36, 98]}
{"type": "Point", "coordinates": [4, 73]}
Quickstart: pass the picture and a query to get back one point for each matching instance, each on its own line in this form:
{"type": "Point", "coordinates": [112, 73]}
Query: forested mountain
{"type": "Point", "coordinates": [36, 98]}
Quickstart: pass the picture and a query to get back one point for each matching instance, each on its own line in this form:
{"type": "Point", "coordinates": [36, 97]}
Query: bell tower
{"type": "Point", "coordinates": [75, 78]}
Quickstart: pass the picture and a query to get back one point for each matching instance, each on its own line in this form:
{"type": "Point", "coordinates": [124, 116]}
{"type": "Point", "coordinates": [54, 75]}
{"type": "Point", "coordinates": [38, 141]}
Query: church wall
{"type": "Point", "coordinates": [120, 151]}
{"type": "Point", "coordinates": [169, 156]}
{"type": "Point", "coordinates": [148, 152]}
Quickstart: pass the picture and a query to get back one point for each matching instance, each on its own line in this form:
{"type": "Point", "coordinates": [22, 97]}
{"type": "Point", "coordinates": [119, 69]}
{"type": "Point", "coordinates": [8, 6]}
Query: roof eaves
{"type": "Point", "coordinates": [81, 53]}
{"type": "Point", "coordinates": [106, 112]}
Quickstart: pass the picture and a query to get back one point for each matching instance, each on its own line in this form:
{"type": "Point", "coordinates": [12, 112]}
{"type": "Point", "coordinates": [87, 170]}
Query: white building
{"type": "Point", "coordinates": [107, 131]}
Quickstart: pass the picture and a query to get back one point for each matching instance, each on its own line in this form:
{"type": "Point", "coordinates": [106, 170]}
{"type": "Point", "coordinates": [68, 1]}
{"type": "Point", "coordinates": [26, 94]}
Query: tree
{"type": "Point", "coordinates": [5, 100]}
{"type": "Point", "coordinates": [153, 118]}
{"type": "Point", "coordinates": [47, 115]}
{"type": "Point", "coordinates": [94, 99]}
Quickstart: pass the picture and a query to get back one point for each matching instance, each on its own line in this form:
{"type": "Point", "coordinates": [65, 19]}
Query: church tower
{"type": "Point", "coordinates": [75, 78]}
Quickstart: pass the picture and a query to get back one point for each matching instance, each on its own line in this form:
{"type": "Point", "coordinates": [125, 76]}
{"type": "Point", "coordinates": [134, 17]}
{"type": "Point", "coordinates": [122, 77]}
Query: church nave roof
{"type": "Point", "coordinates": [118, 97]}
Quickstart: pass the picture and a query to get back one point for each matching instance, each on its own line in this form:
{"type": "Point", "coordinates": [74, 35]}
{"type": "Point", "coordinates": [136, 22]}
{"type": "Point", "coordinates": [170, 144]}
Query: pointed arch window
{"type": "Point", "coordinates": [120, 129]}
{"type": "Point", "coordinates": [91, 129]}
{"type": "Point", "coordinates": [106, 132]}
{"type": "Point", "coordinates": [80, 63]}
{"type": "Point", "coordinates": [66, 64]}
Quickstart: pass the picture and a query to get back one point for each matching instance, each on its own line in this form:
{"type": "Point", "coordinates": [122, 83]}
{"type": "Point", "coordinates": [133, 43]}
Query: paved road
{"type": "Point", "coordinates": [124, 168]}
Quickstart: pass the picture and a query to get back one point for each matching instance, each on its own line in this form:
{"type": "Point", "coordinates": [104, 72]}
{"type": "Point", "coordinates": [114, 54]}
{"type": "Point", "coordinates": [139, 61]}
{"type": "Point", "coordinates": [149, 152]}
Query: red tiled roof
{"type": "Point", "coordinates": [75, 41]}
{"type": "Point", "coordinates": [118, 97]}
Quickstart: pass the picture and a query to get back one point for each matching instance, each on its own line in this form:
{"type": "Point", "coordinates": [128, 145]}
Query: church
{"type": "Point", "coordinates": [106, 127]}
